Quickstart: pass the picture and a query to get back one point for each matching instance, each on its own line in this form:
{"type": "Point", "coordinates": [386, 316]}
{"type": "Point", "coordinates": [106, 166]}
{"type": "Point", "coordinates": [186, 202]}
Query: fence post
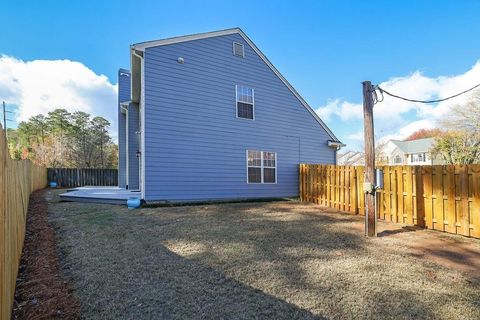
{"type": "Point", "coordinates": [475, 207]}
{"type": "Point", "coordinates": [400, 196]}
{"type": "Point", "coordinates": [437, 188]}
{"type": "Point", "coordinates": [354, 191]}
{"type": "Point", "coordinates": [420, 202]}
{"type": "Point", "coordinates": [465, 230]}
{"type": "Point", "coordinates": [300, 180]}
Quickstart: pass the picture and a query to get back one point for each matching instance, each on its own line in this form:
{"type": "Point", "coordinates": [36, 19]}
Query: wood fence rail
{"type": "Point", "coordinates": [444, 198]}
{"type": "Point", "coordinates": [73, 177]}
{"type": "Point", "coordinates": [18, 179]}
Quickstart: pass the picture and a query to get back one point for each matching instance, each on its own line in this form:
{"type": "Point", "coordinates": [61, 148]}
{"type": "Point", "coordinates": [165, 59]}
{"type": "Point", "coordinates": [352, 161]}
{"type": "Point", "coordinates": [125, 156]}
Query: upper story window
{"type": "Point", "coordinates": [238, 50]}
{"type": "Point", "coordinates": [397, 159]}
{"type": "Point", "coordinates": [261, 166]}
{"type": "Point", "coordinates": [245, 102]}
{"type": "Point", "coordinates": [418, 157]}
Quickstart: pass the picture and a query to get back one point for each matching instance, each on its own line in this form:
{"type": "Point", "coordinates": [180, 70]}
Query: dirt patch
{"type": "Point", "coordinates": [446, 250]}
{"type": "Point", "coordinates": [454, 252]}
{"type": "Point", "coordinates": [41, 292]}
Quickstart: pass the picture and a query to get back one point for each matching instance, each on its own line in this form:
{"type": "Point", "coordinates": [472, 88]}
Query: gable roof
{"type": "Point", "coordinates": [351, 158]}
{"type": "Point", "coordinates": [141, 46]}
{"type": "Point", "coordinates": [414, 146]}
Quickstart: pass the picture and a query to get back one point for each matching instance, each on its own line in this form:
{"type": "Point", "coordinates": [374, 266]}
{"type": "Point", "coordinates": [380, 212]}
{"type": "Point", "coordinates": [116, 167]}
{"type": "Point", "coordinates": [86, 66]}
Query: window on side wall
{"type": "Point", "coordinates": [245, 101]}
{"type": "Point", "coordinates": [261, 166]}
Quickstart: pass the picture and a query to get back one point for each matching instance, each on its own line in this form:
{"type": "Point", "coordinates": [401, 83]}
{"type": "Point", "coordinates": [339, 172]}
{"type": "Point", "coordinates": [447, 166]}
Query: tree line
{"type": "Point", "coordinates": [64, 139]}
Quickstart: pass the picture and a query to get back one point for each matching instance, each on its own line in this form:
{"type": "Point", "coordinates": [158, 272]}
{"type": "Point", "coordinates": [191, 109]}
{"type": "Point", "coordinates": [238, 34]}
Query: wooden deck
{"type": "Point", "coordinates": [110, 195]}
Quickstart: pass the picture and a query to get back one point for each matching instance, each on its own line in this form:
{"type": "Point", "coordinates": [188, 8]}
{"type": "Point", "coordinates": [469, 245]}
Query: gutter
{"type": "Point", "coordinates": [336, 145]}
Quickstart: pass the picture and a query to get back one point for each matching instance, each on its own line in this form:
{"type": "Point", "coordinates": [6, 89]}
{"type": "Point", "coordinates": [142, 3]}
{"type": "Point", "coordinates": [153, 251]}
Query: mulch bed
{"type": "Point", "coordinates": [41, 292]}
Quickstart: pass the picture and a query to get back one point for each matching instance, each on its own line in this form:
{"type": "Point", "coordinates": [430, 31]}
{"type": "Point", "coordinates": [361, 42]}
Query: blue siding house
{"type": "Point", "coordinates": [208, 117]}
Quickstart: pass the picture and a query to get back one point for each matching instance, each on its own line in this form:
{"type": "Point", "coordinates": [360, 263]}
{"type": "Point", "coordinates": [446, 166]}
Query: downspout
{"type": "Point", "coordinates": [142, 123]}
{"type": "Point", "coordinates": [136, 54]}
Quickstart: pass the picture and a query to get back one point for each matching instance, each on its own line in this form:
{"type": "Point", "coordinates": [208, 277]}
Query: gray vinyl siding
{"type": "Point", "coordinates": [133, 120]}
{"type": "Point", "coordinates": [195, 146]}
{"type": "Point", "coordinates": [123, 95]}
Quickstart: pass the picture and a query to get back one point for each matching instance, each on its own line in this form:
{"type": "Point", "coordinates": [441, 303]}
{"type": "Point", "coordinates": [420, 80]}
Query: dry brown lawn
{"type": "Point", "coordinates": [277, 260]}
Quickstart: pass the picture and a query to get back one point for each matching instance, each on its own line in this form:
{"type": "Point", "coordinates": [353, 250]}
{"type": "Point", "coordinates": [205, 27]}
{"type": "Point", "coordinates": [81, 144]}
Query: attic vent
{"type": "Point", "coordinates": [238, 50]}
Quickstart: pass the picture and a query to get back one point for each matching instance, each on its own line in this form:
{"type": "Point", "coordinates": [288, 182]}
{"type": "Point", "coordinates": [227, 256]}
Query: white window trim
{"type": "Point", "coordinates": [243, 49]}
{"type": "Point", "coordinates": [262, 167]}
{"type": "Point", "coordinates": [414, 157]}
{"type": "Point", "coordinates": [236, 102]}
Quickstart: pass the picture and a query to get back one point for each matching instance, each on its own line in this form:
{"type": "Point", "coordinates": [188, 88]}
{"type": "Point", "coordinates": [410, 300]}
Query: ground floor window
{"type": "Point", "coordinates": [418, 157]}
{"type": "Point", "coordinates": [261, 166]}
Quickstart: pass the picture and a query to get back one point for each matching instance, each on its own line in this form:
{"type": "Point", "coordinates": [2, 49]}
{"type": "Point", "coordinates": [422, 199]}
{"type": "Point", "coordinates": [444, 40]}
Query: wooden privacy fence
{"type": "Point", "coordinates": [73, 177]}
{"type": "Point", "coordinates": [444, 198]}
{"type": "Point", "coordinates": [17, 180]}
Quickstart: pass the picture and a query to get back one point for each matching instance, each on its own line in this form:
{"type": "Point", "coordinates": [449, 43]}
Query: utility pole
{"type": "Point", "coordinates": [4, 118]}
{"type": "Point", "coordinates": [369, 182]}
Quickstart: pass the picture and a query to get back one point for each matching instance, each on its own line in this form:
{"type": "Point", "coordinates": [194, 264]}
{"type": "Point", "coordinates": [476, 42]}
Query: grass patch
{"type": "Point", "coordinates": [281, 260]}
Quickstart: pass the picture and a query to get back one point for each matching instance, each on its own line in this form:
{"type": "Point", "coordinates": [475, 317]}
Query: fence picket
{"type": "Point", "coordinates": [394, 193]}
{"type": "Point", "coordinates": [475, 206]}
{"type": "Point", "coordinates": [427, 195]}
{"type": "Point", "coordinates": [400, 194]}
{"type": "Point", "coordinates": [437, 196]}
{"type": "Point", "coordinates": [464, 220]}
{"type": "Point", "coordinates": [451, 217]}
{"type": "Point", "coordinates": [77, 177]}
{"type": "Point", "coordinates": [18, 179]}
{"type": "Point", "coordinates": [360, 195]}
{"type": "Point", "coordinates": [444, 198]}
{"type": "Point", "coordinates": [387, 195]}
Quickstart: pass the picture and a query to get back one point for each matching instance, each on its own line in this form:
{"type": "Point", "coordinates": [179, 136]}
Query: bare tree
{"type": "Point", "coordinates": [460, 144]}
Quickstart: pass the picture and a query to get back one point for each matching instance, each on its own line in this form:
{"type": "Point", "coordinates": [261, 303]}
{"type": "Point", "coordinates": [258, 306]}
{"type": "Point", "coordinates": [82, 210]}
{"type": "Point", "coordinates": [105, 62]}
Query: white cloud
{"type": "Point", "coordinates": [358, 136]}
{"type": "Point", "coordinates": [395, 118]}
{"type": "Point", "coordinates": [343, 109]}
{"type": "Point", "coordinates": [40, 86]}
{"type": "Point", "coordinates": [415, 126]}
{"type": "Point", "coordinates": [408, 129]}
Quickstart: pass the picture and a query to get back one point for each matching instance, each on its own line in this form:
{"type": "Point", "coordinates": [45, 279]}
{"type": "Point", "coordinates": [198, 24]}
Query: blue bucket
{"type": "Point", "coordinates": [133, 203]}
{"type": "Point", "coordinates": [53, 184]}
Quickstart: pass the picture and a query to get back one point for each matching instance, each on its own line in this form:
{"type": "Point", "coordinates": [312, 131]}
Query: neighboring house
{"type": "Point", "coordinates": [351, 158]}
{"type": "Point", "coordinates": [207, 116]}
{"type": "Point", "coordinates": [413, 152]}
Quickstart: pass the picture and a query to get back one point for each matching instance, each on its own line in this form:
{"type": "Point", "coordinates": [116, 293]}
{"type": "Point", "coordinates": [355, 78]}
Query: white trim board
{"type": "Point", "coordinates": [126, 151]}
{"type": "Point", "coordinates": [142, 129]}
{"type": "Point", "coordinates": [148, 44]}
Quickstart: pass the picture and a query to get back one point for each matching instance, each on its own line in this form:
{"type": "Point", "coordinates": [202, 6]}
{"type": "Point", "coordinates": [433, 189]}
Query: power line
{"type": "Point", "coordinates": [382, 91]}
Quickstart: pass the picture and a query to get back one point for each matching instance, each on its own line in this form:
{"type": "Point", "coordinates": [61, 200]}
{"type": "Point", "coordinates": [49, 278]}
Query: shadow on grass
{"type": "Point", "coordinates": [163, 285]}
{"type": "Point", "coordinates": [404, 229]}
{"type": "Point", "coordinates": [211, 261]}
{"type": "Point", "coordinates": [121, 269]}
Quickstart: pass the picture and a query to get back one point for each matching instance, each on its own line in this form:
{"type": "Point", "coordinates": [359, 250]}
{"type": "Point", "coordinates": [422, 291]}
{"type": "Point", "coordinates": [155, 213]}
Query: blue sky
{"type": "Point", "coordinates": [324, 48]}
